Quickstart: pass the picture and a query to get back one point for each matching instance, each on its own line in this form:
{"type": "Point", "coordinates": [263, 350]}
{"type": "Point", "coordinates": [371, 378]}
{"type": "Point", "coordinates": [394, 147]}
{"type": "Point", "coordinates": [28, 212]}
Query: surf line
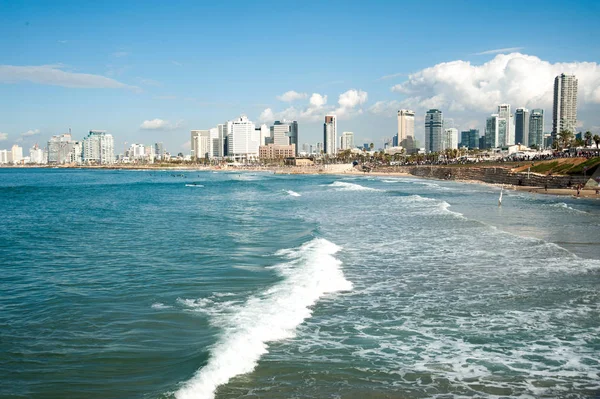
{"type": "Point", "coordinates": [309, 272]}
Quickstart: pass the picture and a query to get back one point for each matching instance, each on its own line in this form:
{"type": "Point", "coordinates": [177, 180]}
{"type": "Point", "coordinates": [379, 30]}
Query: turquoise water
{"type": "Point", "coordinates": [132, 284]}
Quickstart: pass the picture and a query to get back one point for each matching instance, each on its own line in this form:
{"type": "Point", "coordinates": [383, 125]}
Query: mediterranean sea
{"type": "Point", "coordinates": [186, 284]}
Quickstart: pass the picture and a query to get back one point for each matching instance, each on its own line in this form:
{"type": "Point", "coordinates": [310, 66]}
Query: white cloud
{"type": "Point", "coordinates": [291, 95]}
{"type": "Point", "coordinates": [352, 98]}
{"type": "Point", "coordinates": [55, 75]}
{"type": "Point", "coordinates": [393, 75]}
{"type": "Point", "coordinates": [500, 50]}
{"type": "Point", "coordinates": [386, 108]}
{"type": "Point", "coordinates": [517, 79]}
{"type": "Point", "coordinates": [3, 136]}
{"type": "Point", "coordinates": [31, 132]}
{"type": "Point", "coordinates": [314, 111]}
{"type": "Point", "coordinates": [350, 102]}
{"type": "Point", "coordinates": [348, 105]}
{"type": "Point", "coordinates": [119, 54]}
{"type": "Point", "coordinates": [176, 63]}
{"type": "Point", "coordinates": [317, 100]}
{"type": "Point", "coordinates": [160, 124]}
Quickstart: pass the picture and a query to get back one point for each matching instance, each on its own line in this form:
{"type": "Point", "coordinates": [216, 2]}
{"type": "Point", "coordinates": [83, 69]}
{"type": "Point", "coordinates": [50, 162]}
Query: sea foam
{"type": "Point", "coordinates": [293, 193]}
{"type": "Point", "coordinates": [309, 272]}
{"type": "Point", "coordinates": [345, 186]}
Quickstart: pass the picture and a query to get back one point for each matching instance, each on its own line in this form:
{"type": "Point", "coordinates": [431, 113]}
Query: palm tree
{"type": "Point", "coordinates": [565, 137]}
{"type": "Point", "coordinates": [371, 146]}
{"type": "Point", "coordinates": [588, 138]}
{"type": "Point", "coordinates": [596, 139]}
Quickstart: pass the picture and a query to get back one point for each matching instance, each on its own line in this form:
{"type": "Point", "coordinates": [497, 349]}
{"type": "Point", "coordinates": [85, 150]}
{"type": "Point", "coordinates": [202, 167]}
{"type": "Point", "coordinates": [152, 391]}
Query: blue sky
{"type": "Point", "coordinates": [190, 65]}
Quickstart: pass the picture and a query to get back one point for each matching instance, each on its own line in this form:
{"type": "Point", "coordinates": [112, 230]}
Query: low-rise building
{"type": "Point", "coordinates": [273, 151]}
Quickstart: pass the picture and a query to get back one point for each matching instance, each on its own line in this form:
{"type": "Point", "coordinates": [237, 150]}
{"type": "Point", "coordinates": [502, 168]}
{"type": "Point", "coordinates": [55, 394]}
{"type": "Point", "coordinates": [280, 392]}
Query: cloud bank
{"type": "Point", "coordinates": [517, 79]}
{"type": "Point", "coordinates": [291, 95]}
{"type": "Point", "coordinates": [3, 136]}
{"type": "Point", "coordinates": [349, 104]}
{"type": "Point", "coordinates": [159, 124]}
{"type": "Point", "coordinates": [55, 75]}
{"type": "Point", "coordinates": [31, 132]}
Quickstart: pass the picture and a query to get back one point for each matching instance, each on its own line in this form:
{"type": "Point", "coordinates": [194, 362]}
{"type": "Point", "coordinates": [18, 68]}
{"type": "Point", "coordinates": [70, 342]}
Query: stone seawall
{"type": "Point", "coordinates": [487, 174]}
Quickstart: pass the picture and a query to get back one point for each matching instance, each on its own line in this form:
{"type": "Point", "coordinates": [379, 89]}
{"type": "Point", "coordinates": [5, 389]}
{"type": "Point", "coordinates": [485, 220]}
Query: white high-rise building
{"type": "Point", "coordinates": [265, 135]}
{"type": "Point", "coordinates": [221, 149]}
{"type": "Point", "coordinates": [330, 135]}
{"type": "Point", "coordinates": [406, 129]}
{"type": "Point", "coordinates": [281, 133]}
{"type": "Point", "coordinates": [98, 148]}
{"type": "Point", "coordinates": [149, 153]}
{"type": "Point", "coordinates": [201, 144]}
{"type": "Point", "coordinates": [406, 125]}
{"type": "Point", "coordinates": [36, 155]}
{"type": "Point", "coordinates": [4, 157]}
{"type": "Point", "coordinates": [492, 139]}
{"type": "Point", "coordinates": [242, 139]}
{"type": "Point", "coordinates": [62, 149]}
{"type": "Point", "coordinates": [347, 141]}
{"type": "Point", "coordinates": [450, 139]}
{"type": "Point", "coordinates": [17, 154]}
{"type": "Point", "coordinates": [564, 115]}
{"type": "Point", "coordinates": [506, 131]}
{"type": "Point", "coordinates": [137, 152]}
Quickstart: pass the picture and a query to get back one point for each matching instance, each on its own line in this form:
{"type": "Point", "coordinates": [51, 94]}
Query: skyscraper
{"type": "Point", "coordinates": [522, 126]}
{"type": "Point", "coordinates": [330, 135]}
{"type": "Point", "coordinates": [536, 128]}
{"type": "Point", "coordinates": [433, 130]}
{"type": "Point", "coordinates": [406, 128]}
{"type": "Point", "coordinates": [222, 139]}
{"type": "Point", "coordinates": [506, 135]}
{"type": "Point", "coordinates": [294, 134]}
{"type": "Point", "coordinates": [347, 141]}
{"type": "Point", "coordinates": [491, 131]}
{"type": "Point", "coordinates": [564, 114]}
{"type": "Point", "coordinates": [473, 139]}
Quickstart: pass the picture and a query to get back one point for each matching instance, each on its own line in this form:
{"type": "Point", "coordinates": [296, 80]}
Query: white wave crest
{"type": "Point", "coordinates": [293, 193]}
{"type": "Point", "coordinates": [160, 306]}
{"type": "Point", "coordinates": [311, 272]}
{"type": "Point", "coordinates": [567, 207]}
{"type": "Point", "coordinates": [345, 186]}
{"type": "Point", "coordinates": [194, 185]}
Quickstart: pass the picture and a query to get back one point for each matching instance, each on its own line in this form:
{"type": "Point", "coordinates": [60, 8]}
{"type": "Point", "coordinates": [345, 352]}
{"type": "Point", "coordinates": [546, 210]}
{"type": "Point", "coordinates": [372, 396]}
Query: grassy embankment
{"type": "Point", "coordinates": [562, 166]}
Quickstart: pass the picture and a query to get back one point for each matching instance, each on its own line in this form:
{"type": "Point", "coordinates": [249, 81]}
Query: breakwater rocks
{"type": "Point", "coordinates": [487, 174]}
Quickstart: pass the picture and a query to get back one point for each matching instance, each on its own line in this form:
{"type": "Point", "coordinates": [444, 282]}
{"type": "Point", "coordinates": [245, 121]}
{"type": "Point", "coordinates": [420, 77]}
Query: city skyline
{"type": "Point", "coordinates": [144, 87]}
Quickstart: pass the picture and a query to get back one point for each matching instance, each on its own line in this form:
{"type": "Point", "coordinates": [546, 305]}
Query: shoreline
{"type": "Point", "coordinates": [330, 169]}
